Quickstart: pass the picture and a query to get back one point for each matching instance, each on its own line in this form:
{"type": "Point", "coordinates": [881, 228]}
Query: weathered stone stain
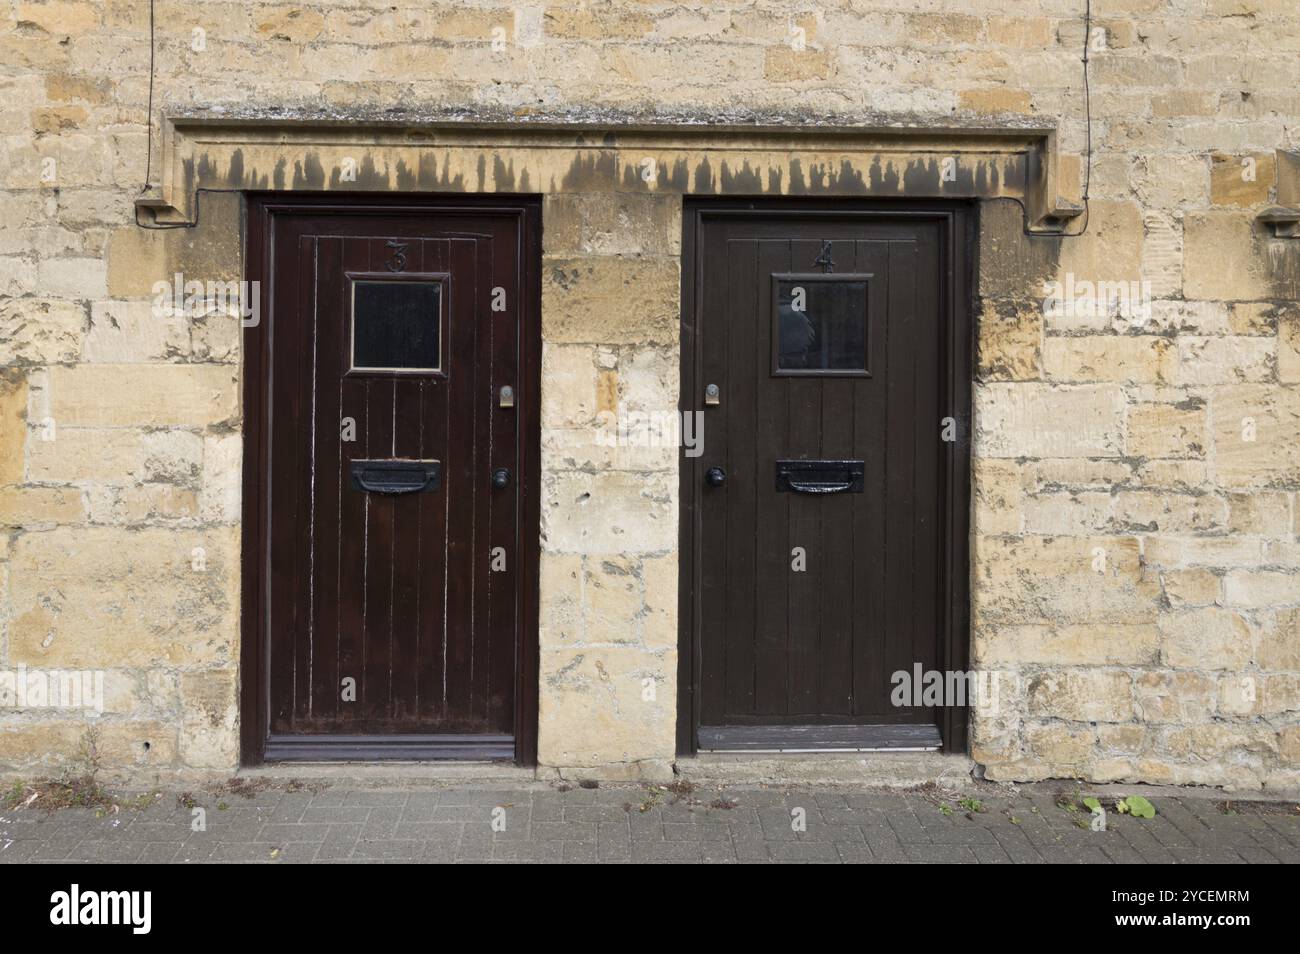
{"type": "Point", "coordinates": [235, 170]}
{"type": "Point", "coordinates": [308, 173]}
{"type": "Point", "coordinates": [503, 175]}
{"type": "Point", "coordinates": [591, 172]}
{"type": "Point", "coordinates": [1282, 267]}
{"type": "Point", "coordinates": [740, 181]}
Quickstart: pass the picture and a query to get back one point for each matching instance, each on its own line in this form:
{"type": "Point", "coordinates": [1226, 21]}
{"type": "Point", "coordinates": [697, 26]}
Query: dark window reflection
{"type": "Point", "coordinates": [822, 325]}
{"type": "Point", "coordinates": [395, 325]}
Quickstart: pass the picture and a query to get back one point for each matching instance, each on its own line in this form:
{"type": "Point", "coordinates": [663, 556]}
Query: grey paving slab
{"type": "Point", "coordinates": [646, 824]}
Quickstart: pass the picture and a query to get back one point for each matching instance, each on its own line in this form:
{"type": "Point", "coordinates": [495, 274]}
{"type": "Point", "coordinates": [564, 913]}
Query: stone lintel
{"type": "Point", "coordinates": [218, 152]}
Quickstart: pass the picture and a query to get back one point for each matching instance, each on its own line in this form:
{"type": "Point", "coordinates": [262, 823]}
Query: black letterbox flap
{"type": "Point", "coordinates": [820, 476]}
{"type": "Point", "coordinates": [396, 476]}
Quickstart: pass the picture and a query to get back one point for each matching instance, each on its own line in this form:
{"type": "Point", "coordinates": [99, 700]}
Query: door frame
{"type": "Point", "coordinates": [957, 251]}
{"type": "Point", "coordinates": [260, 208]}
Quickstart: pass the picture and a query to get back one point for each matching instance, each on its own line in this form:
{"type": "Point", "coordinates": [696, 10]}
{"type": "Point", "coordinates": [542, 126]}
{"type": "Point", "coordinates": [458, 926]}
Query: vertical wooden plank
{"type": "Point", "coordinates": [900, 481]}
{"type": "Point", "coordinates": [726, 668]}
{"type": "Point", "coordinates": [328, 485]}
{"type": "Point", "coordinates": [770, 520]}
{"type": "Point", "coordinates": [433, 509]}
{"type": "Point", "coordinates": [485, 499]}
{"type": "Point", "coordinates": [304, 477]}
{"type": "Point", "coordinates": [288, 488]}
{"type": "Point", "coordinates": [353, 513]}
{"type": "Point", "coordinates": [739, 493]}
{"type": "Point", "coordinates": [465, 484]}
{"type": "Point", "coordinates": [871, 555]}
{"type": "Point", "coordinates": [502, 531]}
{"type": "Point", "coordinates": [923, 260]}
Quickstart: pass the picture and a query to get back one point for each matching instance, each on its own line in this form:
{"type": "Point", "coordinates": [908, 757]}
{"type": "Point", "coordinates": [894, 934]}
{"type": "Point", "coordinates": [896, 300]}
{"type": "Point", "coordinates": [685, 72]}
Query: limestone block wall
{"type": "Point", "coordinates": [1135, 564]}
{"type": "Point", "coordinates": [610, 288]}
{"type": "Point", "coordinates": [1134, 561]}
{"type": "Point", "coordinates": [120, 502]}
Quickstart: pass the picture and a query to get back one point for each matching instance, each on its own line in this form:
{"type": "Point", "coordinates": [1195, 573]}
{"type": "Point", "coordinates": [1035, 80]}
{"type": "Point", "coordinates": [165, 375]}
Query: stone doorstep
{"type": "Point", "coordinates": [839, 772]}
{"type": "Point", "coordinates": [900, 771]}
{"type": "Point", "coordinates": [877, 770]}
{"type": "Point", "coordinates": [873, 769]}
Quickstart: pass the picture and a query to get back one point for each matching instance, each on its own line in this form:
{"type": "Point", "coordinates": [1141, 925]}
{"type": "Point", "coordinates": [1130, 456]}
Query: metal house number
{"type": "Point", "coordinates": [825, 260]}
{"type": "Point", "coordinates": [398, 262]}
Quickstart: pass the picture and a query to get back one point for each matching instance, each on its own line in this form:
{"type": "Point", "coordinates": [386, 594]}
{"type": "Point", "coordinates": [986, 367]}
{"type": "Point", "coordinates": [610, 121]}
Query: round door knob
{"type": "Point", "coordinates": [501, 478]}
{"type": "Point", "coordinates": [716, 476]}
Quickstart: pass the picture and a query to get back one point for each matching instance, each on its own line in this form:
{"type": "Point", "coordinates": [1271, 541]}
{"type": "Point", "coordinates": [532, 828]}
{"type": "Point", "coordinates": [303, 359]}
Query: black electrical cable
{"type": "Point", "coordinates": [1087, 109]}
{"type": "Point", "coordinates": [1087, 169]}
{"type": "Point", "coordinates": [148, 156]}
{"type": "Point", "coordinates": [148, 159]}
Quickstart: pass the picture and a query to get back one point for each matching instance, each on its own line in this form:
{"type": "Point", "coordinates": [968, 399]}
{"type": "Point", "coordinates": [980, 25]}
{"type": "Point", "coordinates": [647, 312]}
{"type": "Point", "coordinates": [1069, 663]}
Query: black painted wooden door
{"type": "Point", "coordinates": [818, 550]}
{"type": "Point", "coordinates": [393, 502]}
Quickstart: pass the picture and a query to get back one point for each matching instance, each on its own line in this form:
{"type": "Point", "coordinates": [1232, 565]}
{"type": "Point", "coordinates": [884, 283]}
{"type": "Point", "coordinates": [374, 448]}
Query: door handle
{"type": "Point", "coordinates": [715, 476]}
{"type": "Point", "coordinates": [501, 478]}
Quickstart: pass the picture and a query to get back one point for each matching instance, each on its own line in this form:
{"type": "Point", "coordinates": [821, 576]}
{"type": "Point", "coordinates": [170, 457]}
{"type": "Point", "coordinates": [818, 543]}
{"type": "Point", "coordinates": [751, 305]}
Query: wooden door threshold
{"type": "Point", "coordinates": [373, 748]}
{"type": "Point", "coordinates": [820, 738]}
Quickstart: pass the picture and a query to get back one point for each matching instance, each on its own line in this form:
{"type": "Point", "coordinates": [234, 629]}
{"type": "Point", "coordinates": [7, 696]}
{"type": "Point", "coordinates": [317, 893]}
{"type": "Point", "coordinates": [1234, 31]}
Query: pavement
{"type": "Point", "coordinates": [316, 822]}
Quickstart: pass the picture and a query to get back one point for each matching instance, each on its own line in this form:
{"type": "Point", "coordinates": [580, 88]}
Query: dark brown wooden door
{"type": "Point", "coordinates": [395, 380]}
{"type": "Point", "coordinates": [818, 568]}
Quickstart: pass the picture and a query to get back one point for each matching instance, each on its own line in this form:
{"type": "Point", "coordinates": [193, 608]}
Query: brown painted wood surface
{"type": "Point", "coordinates": [394, 591]}
{"type": "Point", "coordinates": [764, 645]}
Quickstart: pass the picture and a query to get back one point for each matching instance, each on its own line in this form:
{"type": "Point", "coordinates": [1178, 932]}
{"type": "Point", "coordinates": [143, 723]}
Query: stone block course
{"type": "Point", "coordinates": [161, 611]}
